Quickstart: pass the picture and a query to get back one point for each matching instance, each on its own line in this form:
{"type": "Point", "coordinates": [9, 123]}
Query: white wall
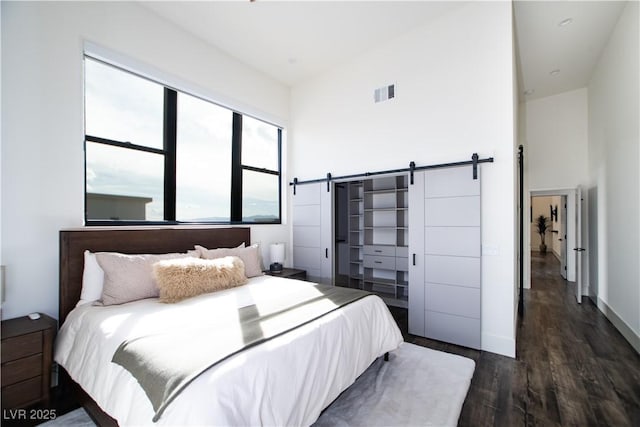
{"type": "Point", "coordinates": [2, 291]}
{"type": "Point", "coordinates": [556, 145]}
{"type": "Point", "coordinates": [557, 135]}
{"type": "Point", "coordinates": [42, 117]}
{"type": "Point", "coordinates": [614, 155]}
{"type": "Point", "coordinates": [454, 97]}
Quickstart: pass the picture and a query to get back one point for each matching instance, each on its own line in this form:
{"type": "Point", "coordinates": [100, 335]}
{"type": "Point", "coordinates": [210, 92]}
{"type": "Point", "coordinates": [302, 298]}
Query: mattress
{"type": "Point", "coordinates": [288, 380]}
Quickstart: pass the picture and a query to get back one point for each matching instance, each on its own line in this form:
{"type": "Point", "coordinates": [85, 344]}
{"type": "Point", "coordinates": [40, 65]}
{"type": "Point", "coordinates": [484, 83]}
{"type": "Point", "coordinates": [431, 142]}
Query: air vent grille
{"type": "Point", "coordinates": [384, 93]}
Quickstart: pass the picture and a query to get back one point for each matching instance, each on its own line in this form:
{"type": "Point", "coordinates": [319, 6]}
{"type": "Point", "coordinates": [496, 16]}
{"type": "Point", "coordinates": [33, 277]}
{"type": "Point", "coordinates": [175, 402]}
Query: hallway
{"type": "Point", "coordinates": [573, 368]}
{"type": "Point", "coordinates": [580, 370]}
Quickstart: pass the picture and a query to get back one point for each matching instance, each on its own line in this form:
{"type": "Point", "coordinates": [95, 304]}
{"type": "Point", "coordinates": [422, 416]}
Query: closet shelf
{"type": "Point", "coordinates": [379, 281]}
{"type": "Point", "coordinates": [385, 191]}
{"type": "Point", "coordinates": [389, 209]}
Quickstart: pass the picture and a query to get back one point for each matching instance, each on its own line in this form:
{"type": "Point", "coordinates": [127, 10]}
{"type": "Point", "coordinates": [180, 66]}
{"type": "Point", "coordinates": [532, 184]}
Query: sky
{"type": "Point", "coordinates": [127, 108]}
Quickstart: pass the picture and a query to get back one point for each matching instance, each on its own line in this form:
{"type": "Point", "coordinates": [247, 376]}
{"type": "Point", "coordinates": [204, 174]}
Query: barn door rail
{"type": "Point", "coordinates": [475, 160]}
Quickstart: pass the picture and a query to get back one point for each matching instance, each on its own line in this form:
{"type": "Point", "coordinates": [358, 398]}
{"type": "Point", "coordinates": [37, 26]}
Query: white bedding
{"type": "Point", "coordinates": [286, 381]}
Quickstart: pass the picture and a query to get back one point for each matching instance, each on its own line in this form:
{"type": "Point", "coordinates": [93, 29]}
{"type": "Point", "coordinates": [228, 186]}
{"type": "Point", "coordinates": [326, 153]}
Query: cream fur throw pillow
{"type": "Point", "coordinates": [179, 279]}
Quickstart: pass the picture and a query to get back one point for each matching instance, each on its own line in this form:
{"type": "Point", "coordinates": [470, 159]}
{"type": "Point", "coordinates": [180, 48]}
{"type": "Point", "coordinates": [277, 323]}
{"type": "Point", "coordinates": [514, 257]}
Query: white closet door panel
{"type": "Point", "coordinates": [453, 211]}
{"type": "Point", "coordinates": [459, 241]}
{"type": "Point", "coordinates": [451, 242]}
{"type": "Point", "coordinates": [458, 300]}
{"type": "Point", "coordinates": [452, 182]}
{"type": "Point", "coordinates": [416, 255]}
{"type": "Point", "coordinates": [448, 270]}
{"type": "Point", "coordinates": [307, 259]}
{"type": "Point", "coordinates": [326, 234]}
{"type": "Point", "coordinates": [454, 329]}
{"type": "Point", "coordinates": [307, 194]}
{"type": "Point", "coordinates": [306, 215]}
{"type": "Point", "coordinates": [306, 236]}
{"type": "Point", "coordinates": [311, 208]}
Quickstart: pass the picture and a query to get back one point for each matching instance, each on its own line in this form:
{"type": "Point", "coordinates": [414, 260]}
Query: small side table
{"type": "Point", "coordinates": [289, 273]}
{"type": "Point", "coordinates": [27, 356]}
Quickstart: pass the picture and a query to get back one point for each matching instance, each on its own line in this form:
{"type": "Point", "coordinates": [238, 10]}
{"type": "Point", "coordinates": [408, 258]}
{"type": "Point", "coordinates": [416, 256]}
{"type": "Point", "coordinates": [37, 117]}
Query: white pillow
{"type": "Point", "coordinates": [92, 280]}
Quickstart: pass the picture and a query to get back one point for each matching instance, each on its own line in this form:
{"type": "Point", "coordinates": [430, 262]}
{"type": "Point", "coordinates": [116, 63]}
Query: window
{"type": "Point", "coordinates": [260, 170]}
{"type": "Point", "coordinates": [156, 155]}
{"type": "Point", "coordinates": [203, 161]}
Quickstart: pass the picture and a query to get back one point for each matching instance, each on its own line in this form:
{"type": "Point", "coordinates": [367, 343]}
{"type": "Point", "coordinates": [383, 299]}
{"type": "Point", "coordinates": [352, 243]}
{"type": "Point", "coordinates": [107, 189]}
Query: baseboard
{"type": "Point", "coordinates": [500, 345]}
{"type": "Point", "coordinates": [621, 325]}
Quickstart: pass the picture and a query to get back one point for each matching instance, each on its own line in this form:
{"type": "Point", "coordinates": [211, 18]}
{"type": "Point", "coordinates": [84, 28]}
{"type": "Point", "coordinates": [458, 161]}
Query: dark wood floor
{"type": "Point", "coordinates": [572, 368]}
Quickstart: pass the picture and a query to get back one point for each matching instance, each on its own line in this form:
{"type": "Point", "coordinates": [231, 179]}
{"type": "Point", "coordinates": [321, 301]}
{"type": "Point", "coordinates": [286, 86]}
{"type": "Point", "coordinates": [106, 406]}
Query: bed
{"type": "Point", "coordinates": [286, 380]}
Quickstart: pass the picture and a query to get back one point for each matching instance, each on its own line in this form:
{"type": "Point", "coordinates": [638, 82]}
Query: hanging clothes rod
{"type": "Point", "coordinates": [412, 168]}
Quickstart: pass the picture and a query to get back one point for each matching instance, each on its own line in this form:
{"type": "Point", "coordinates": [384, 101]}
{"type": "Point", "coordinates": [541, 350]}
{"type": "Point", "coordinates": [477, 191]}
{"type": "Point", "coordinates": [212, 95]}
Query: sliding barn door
{"type": "Point", "coordinates": [416, 255]}
{"type": "Point", "coordinates": [445, 246]}
{"type": "Point", "coordinates": [312, 231]}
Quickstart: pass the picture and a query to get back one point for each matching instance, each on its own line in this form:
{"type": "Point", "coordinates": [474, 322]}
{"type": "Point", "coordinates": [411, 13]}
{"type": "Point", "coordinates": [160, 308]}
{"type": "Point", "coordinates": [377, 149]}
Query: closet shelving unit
{"type": "Point", "coordinates": [379, 237]}
{"type": "Point", "coordinates": [356, 233]}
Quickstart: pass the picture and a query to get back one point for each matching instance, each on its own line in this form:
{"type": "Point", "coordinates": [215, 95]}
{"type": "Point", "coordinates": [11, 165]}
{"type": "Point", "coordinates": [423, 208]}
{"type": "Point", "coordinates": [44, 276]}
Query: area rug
{"type": "Point", "coordinates": [77, 418]}
{"type": "Point", "coordinates": [417, 386]}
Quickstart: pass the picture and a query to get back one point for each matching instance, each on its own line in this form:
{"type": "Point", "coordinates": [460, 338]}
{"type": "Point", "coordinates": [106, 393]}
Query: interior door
{"type": "Point", "coordinates": [563, 237]}
{"type": "Point", "coordinates": [445, 250]}
{"type": "Point", "coordinates": [579, 249]}
{"type": "Point", "coordinates": [313, 231]}
{"type": "Point", "coordinates": [327, 234]}
{"type": "Point", "coordinates": [416, 255]}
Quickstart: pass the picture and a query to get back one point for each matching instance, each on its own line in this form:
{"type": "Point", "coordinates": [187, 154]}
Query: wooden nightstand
{"type": "Point", "coordinates": [27, 356]}
{"type": "Point", "coordinates": [289, 273]}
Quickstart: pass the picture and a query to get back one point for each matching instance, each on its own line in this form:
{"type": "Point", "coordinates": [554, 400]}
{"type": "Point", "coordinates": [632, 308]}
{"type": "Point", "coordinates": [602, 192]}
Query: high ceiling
{"type": "Point", "coordinates": [295, 40]}
{"type": "Point", "coordinates": [559, 42]}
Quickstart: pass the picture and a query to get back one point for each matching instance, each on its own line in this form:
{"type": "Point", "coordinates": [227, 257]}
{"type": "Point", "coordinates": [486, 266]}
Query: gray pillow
{"type": "Point", "coordinates": [129, 277]}
{"type": "Point", "coordinates": [250, 256]}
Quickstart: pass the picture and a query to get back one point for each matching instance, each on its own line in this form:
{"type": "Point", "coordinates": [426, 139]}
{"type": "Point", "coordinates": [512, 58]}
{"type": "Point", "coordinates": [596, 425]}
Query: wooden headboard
{"type": "Point", "coordinates": [73, 243]}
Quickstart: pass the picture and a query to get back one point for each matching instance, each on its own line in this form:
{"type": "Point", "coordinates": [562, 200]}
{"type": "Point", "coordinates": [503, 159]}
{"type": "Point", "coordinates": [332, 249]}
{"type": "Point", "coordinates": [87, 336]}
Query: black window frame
{"type": "Point", "coordinates": [169, 150]}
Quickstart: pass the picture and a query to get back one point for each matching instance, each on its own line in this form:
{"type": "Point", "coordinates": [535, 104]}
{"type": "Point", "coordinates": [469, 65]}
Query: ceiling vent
{"type": "Point", "coordinates": [384, 93]}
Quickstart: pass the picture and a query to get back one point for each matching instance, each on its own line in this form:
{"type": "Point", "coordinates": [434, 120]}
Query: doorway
{"type": "Point", "coordinates": [570, 220]}
{"type": "Point", "coordinates": [341, 238]}
{"type": "Point", "coordinates": [549, 228]}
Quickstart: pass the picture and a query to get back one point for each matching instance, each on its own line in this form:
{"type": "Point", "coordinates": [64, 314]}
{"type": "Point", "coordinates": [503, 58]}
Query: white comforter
{"type": "Point", "coordinates": [284, 382]}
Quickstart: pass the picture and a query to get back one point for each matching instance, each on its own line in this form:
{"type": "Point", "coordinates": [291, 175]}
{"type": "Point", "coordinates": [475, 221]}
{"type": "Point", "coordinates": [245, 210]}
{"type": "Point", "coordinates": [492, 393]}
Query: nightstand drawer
{"type": "Point", "coordinates": [21, 346]}
{"type": "Point", "coordinates": [27, 350]}
{"type": "Point", "coordinates": [22, 393]}
{"type": "Point", "coordinates": [21, 369]}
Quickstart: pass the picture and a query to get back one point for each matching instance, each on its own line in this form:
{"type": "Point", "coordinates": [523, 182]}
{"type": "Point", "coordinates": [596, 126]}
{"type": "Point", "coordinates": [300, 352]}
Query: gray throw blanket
{"type": "Point", "coordinates": [164, 364]}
